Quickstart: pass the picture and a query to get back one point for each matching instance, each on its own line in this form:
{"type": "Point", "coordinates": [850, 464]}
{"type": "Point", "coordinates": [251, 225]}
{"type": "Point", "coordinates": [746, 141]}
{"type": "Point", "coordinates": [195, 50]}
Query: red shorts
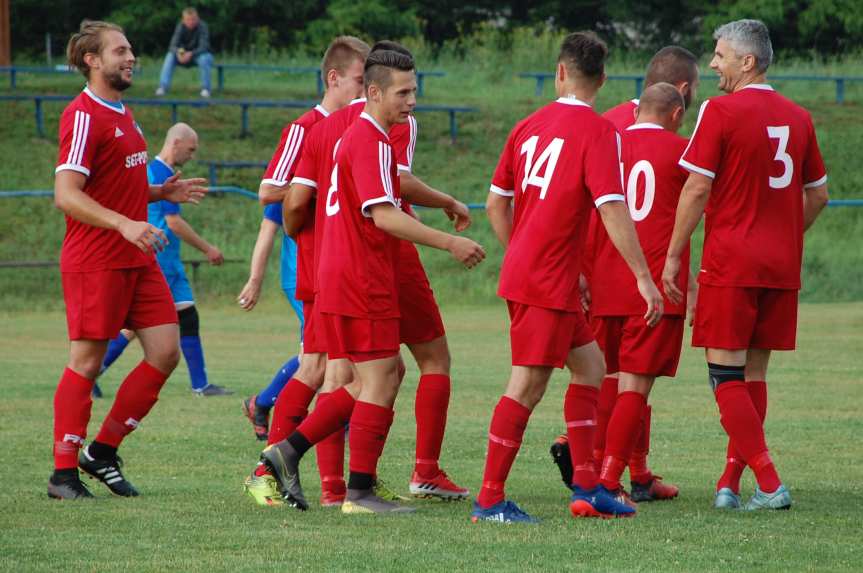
{"type": "Point", "coordinates": [629, 345]}
{"type": "Point", "coordinates": [314, 337]}
{"type": "Point", "coordinates": [738, 318]}
{"type": "Point", "coordinates": [360, 339]}
{"type": "Point", "coordinates": [420, 317]}
{"type": "Point", "coordinates": [543, 336]}
{"type": "Point", "coordinates": [100, 303]}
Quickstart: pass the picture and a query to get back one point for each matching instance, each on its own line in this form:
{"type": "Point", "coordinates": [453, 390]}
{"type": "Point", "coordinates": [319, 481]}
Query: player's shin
{"type": "Point", "coordinates": [138, 393]}
{"type": "Point", "coordinates": [623, 430]}
{"type": "Point", "coordinates": [579, 410]}
{"type": "Point", "coordinates": [290, 410]}
{"type": "Point", "coordinates": [72, 405]}
{"type": "Point", "coordinates": [430, 408]}
{"type": "Point", "coordinates": [506, 431]}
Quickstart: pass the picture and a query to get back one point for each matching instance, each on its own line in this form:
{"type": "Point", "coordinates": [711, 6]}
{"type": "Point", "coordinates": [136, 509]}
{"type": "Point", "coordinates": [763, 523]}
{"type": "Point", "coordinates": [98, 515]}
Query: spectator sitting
{"type": "Point", "coordinates": [190, 46]}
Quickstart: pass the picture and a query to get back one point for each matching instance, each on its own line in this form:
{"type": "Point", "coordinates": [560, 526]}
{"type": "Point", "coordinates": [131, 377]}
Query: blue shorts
{"type": "Point", "coordinates": [181, 291]}
{"type": "Point", "coordinates": [297, 305]}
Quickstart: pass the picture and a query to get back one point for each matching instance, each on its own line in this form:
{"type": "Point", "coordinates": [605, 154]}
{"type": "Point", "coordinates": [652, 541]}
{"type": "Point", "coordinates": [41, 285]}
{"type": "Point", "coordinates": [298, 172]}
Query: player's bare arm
{"type": "Point", "coordinates": [499, 211]}
{"type": "Point", "coordinates": [269, 193]}
{"type": "Point", "coordinates": [187, 234]}
{"type": "Point", "coordinates": [295, 207]}
{"type": "Point", "coordinates": [178, 190]}
{"type": "Point", "coordinates": [621, 231]}
{"type": "Point", "coordinates": [417, 192]}
{"type": "Point", "coordinates": [814, 200]}
{"type": "Point", "coordinates": [248, 297]}
{"type": "Point", "coordinates": [690, 208]}
{"type": "Point", "coordinates": [70, 198]}
{"type": "Point", "coordinates": [396, 222]}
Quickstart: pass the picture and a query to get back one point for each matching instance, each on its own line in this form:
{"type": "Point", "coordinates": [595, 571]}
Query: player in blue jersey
{"type": "Point", "coordinates": [180, 145]}
{"type": "Point", "coordinates": [257, 408]}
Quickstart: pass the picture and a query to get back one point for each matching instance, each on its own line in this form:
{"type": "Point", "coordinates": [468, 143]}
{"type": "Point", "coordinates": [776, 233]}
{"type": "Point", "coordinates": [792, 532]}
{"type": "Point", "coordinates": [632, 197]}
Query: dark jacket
{"type": "Point", "coordinates": [196, 41]}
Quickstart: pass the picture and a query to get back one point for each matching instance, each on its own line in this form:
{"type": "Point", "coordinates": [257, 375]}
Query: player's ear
{"type": "Point", "coordinates": [748, 63]}
{"type": "Point", "coordinates": [92, 60]}
{"type": "Point", "coordinates": [332, 78]}
{"type": "Point", "coordinates": [561, 72]}
{"type": "Point", "coordinates": [601, 80]}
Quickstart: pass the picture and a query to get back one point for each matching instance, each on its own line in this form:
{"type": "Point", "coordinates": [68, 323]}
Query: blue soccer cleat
{"type": "Point", "coordinates": [726, 499]}
{"type": "Point", "coordinates": [597, 502]}
{"type": "Point", "coordinates": [779, 499]}
{"type": "Point", "coordinates": [503, 512]}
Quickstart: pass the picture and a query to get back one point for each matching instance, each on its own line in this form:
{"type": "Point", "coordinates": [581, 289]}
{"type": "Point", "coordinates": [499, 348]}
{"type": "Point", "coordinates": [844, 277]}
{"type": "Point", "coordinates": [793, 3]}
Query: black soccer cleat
{"type": "Point", "coordinates": [283, 461]}
{"type": "Point", "coordinates": [560, 456]}
{"type": "Point", "coordinates": [67, 488]}
{"type": "Point", "coordinates": [108, 472]}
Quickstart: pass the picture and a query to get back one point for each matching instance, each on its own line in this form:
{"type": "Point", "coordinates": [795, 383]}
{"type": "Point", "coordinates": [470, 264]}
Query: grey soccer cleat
{"type": "Point", "coordinates": [284, 462]}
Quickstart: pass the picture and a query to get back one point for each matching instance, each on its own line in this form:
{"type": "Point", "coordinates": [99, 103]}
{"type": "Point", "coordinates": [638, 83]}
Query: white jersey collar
{"type": "Point", "coordinates": [571, 100]}
{"type": "Point", "coordinates": [645, 125]}
{"type": "Point", "coordinates": [322, 110]}
{"type": "Point", "coordinates": [765, 87]}
{"type": "Point", "coordinates": [374, 122]}
{"type": "Point", "coordinates": [121, 110]}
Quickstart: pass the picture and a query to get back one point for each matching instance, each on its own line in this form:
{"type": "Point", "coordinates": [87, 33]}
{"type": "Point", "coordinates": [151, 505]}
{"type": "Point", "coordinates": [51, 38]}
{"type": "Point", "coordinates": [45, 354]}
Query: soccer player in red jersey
{"type": "Point", "coordinates": [679, 67]}
{"type": "Point", "coordinates": [357, 295]}
{"type": "Point", "coordinates": [653, 180]}
{"type": "Point", "coordinates": [557, 164]}
{"type": "Point", "coordinates": [110, 277]}
{"type": "Point", "coordinates": [342, 66]}
{"type": "Point", "coordinates": [420, 324]}
{"type": "Point", "coordinates": [757, 174]}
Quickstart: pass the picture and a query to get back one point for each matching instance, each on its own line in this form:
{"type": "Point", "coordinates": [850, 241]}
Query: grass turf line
{"type": "Point", "coordinates": [190, 456]}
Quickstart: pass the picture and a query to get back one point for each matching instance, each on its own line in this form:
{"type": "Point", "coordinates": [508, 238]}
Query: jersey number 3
{"type": "Point", "coordinates": [782, 133]}
{"type": "Point", "coordinates": [546, 162]}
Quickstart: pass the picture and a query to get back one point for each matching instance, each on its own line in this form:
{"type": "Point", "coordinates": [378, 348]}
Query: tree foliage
{"type": "Point", "coordinates": [824, 27]}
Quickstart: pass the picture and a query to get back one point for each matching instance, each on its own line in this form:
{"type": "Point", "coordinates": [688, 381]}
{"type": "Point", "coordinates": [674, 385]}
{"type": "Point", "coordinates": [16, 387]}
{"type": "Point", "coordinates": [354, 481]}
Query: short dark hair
{"type": "Point", "coordinates": [673, 65]}
{"type": "Point", "coordinates": [381, 63]}
{"type": "Point", "coordinates": [583, 54]}
{"type": "Point", "coordinates": [391, 46]}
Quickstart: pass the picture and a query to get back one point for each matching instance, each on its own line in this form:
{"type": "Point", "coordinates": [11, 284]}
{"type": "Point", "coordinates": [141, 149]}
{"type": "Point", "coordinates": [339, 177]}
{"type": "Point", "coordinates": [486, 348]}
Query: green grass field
{"type": "Point", "coordinates": [190, 456]}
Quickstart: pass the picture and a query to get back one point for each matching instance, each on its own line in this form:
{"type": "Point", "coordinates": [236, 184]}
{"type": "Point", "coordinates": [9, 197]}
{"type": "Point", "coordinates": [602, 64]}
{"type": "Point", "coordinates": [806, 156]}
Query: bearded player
{"type": "Point", "coordinates": [756, 172]}
{"type": "Point", "coordinates": [557, 165]}
{"type": "Point", "coordinates": [110, 277]}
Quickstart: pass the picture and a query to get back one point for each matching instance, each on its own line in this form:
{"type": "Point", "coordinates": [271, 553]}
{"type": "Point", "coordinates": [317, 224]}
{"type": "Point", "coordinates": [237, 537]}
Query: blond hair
{"type": "Point", "coordinates": [341, 53]}
{"type": "Point", "coordinates": [88, 40]}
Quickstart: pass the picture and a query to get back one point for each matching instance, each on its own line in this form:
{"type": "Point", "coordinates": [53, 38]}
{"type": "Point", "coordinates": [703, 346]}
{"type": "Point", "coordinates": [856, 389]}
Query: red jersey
{"type": "Point", "coordinates": [357, 272]}
{"type": "Point", "coordinates": [279, 172]}
{"type": "Point", "coordinates": [316, 164]}
{"type": "Point", "coordinates": [106, 145]}
{"type": "Point", "coordinates": [563, 159]}
{"type": "Point", "coordinates": [622, 115]}
{"type": "Point", "coordinates": [761, 152]}
{"type": "Point", "coordinates": [653, 183]}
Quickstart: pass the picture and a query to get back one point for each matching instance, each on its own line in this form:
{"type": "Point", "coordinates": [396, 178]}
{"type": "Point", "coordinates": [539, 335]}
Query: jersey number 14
{"type": "Point", "coordinates": [546, 162]}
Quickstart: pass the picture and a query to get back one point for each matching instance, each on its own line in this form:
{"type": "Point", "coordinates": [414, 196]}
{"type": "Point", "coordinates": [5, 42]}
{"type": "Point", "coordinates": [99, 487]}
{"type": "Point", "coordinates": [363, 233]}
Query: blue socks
{"type": "Point", "coordinates": [115, 349]}
{"type": "Point", "coordinates": [267, 397]}
{"type": "Point", "coordinates": [193, 352]}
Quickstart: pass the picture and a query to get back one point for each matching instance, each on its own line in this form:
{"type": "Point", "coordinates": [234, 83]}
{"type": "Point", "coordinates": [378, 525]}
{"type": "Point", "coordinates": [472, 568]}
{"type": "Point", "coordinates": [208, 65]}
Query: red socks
{"type": "Point", "coordinates": [743, 426]}
{"type": "Point", "coordinates": [291, 407]}
{"type": "Point", "coordinates": [504, 439]}
{"type": "Point", "coordinates": [604, 407]}
{"type": "Point", "coordinates": [638, 470]}
{"type": "Point", "coordinates": [72, 405]}
{"type": "Point", "coordinates": [624, 428]}
{"type": "Point", "coordinates": [430, 409]}
{"type": "Point", "coordinates": [579, 412]}
{"type": "Point", "coordinates": [330, 453]}
{"type": "Point", "coordinates": [734, 464]}
{"type": "Point", "coordinates": [370, 425]}
{"type": "Point", "coordinates": [329, 416]}
{"type": "Point", "coordinates": [136, 396]}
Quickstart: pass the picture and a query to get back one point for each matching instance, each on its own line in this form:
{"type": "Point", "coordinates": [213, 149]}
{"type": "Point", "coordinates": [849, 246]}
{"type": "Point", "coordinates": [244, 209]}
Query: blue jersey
{"type": "Point", "coordinates": [169, 259]}
{"type": "Point", "coordinates": [273, 212]}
